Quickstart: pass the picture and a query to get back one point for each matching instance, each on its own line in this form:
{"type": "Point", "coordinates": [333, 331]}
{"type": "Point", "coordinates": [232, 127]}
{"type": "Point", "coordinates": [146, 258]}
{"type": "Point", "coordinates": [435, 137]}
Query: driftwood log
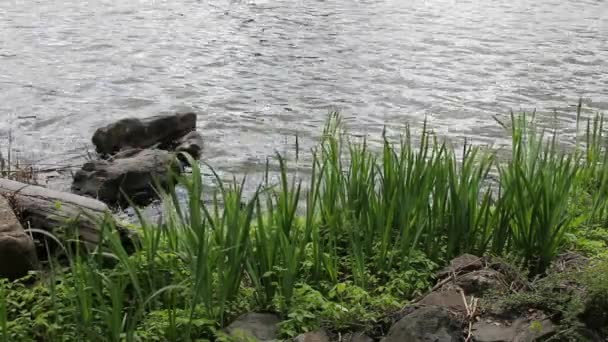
{"type": "Point", "coordinates": [54, 212]}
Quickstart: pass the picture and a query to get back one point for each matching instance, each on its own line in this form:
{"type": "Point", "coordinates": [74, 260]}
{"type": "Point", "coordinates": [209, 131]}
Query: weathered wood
{"type": "Point", "coordinates": [53, 211]}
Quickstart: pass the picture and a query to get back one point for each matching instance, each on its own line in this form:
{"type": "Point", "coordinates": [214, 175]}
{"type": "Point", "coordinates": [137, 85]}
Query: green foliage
{"type": "Point", "coordinates": [537, 184]}
{"type": "Point", "coordinates": [357, 238]}
{"type": "Point", "coordinates": [595, 281]}
{"type": "Point", "coordinates": [577, 299]}
{"type": "Point", "coordinates": [345, 306]}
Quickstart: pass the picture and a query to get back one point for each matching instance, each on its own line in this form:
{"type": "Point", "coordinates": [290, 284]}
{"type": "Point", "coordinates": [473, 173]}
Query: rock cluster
{"type": "Point", "coordinates": [137, 155]}
{"type": "Point", "coordinates": [447, 314]}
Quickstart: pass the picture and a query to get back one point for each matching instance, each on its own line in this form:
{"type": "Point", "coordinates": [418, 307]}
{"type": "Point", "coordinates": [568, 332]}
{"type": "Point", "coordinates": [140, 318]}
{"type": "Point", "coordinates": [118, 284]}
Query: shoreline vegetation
{"type": "Point", "coordinates": [367, 236]}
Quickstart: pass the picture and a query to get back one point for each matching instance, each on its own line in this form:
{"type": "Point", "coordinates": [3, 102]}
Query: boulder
{"type": "Point", "coordinates": [191, 143]}
{"type": "Point", "coordinates": [429, 323]}
{"type": "Point", "coordinates": [143, 133]}
{"type": "Point", "coordinates": [478, 282]}
{"type": "Point", "coordinates": [520, 330]}
{"type": "Point", "coordinates": [261, 326]}
{"type": "Point", "coordinates": [357, 337]}
{"type": "Point", "coordinates": [132, 173]}
{"type": "Point", "coordinates": [17, 250]}
{"type": "Point", "coordinates": [535, 331]}
{"type": "Point", "coordinates": [489, 331]}
{"type": "Point", "coordinates": [314, 336]}
{"type": "Point", "coordinates": [450, 299]}
{"type": "Point", "coordinates": [569, 261]}
{"type": "Point", "coordinates": [463, 263]}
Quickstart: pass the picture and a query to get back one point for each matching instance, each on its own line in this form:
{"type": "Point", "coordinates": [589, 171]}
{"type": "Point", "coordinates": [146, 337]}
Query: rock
{"type": "Point", "coordinates": [314, 336]}
{"type": "Point", "coordinates": [450, 299]}
{"type": "Point", "coordinates": [143, 133]}
{"type": "Point", "coordinates": [478, 282]}
{"type": "Point", "coordinates": [520, 330]}
{"type": "Point", "coordinates": [133, 172]}
{"type": "Point", "coordinates": [484, 331]}
{"type": "Point", "coordinates": [191, 143]}
{"type": "Point", "coordinates": [430, 323]}
{"type": "Point", "coordinates": [357, 337]}
{"type": "Point", "coordinates": [569, 261]}
{"type": "Point", "coordinates": [17, 250]}
{"type": "Point", "coordinates": [262, 326]}
{"type": "Point", "coordinates": [463, 263]}
{"type": "Point", "coordinates": [535, 331]}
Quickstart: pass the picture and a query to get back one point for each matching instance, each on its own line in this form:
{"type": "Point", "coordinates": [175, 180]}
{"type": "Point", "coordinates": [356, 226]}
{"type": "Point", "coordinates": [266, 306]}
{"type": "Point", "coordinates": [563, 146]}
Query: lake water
{"type": "Point", "coordinates": [262, 71]}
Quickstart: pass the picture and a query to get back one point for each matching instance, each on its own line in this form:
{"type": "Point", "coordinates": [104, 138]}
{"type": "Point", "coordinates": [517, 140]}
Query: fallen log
{"type": "Point", "coordinates": [64, 215]}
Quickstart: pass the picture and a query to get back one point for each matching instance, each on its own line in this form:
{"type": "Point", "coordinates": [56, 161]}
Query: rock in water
{"type": "Point", "coordinates": [132, 172]}
{"type": "Point", "coordinates": [143, 133]}
{"type": "Point", "coordinates": [191, 143]}
{"type": "Point", "coordinates": [17, 250]}
{"type": "Point", "coordinates": [431, 323]}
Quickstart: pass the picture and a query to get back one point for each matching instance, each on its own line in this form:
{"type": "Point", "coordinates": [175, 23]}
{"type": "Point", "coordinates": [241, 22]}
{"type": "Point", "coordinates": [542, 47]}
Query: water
{"type": "Point", "coordinates": [262, 71]}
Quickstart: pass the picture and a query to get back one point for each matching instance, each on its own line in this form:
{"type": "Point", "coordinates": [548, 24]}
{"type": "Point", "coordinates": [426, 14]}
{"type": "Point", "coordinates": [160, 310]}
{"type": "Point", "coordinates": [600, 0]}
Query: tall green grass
{"type": "Point", "coordinates": [364, 213]}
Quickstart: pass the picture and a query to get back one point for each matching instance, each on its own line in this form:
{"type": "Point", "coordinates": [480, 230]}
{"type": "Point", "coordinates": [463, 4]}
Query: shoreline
{"type": "Point", "coordinates": [348, 252]}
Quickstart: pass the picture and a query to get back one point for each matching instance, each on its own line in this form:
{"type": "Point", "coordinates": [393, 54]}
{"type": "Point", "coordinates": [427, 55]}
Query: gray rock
{"type": "Point", "coordinates": [262, 326]}
{"type": "Point", "coordinates": [133, 172]}
{"type": "Point", "coordinates": [478, 282]}
{"type": "Point", "coordinates": [450, 299]}
{"type": "Point", "coordinates": [535, 331]}
{"type": "Point", "coordinates": [569, 261]}
{"type": "Point", "coordinates": [191, 143]}
{"type": "Point", "coordinates": [17, 249]}
{"type": "Point", "coordinates": [357, 337]}
{"type": "Point", "coordinates": [520, 330]}
{"type": "Point", "coordinates": [313, 336]}
{"type": "Point", "coordinates": [463, 263]}
{"type": "Point", "coordinates": [143, 133]}
{"type": "Point", "coordinates": [426, 324]}
{"type": "Point", "coordinates": [483, 331]}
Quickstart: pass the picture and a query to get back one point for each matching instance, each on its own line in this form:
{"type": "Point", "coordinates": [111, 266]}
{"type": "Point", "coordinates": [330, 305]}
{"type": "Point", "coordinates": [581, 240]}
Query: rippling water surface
{"type": "Point", "coordinates": [261, 71]}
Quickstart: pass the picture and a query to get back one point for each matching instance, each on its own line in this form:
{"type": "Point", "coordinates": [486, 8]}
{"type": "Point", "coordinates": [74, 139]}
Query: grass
{"type": "Point", "coordinates": [364, 236]}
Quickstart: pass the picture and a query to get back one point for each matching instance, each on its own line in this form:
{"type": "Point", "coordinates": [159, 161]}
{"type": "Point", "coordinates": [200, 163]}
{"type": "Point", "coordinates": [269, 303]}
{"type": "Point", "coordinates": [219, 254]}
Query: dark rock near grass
{"type": "Point", "coordinates": [143, 133]}
{"type": "Point", "coordinates": [463, 263]}
{"type": "Point", "coordinates": [191, 143]}
{"type": "Point", "coordinates": [17, 249]}
{"type": "Point", "coordinates": [313, 336]}
{"type": "Point", "coordinates": [262, 326]}
{"type": "Point", "coordinates": [569, 261]}
{"type": "Point", "coordinates": [430, 323]}
{"type": "Point", "coordinates": [520, 330]}
{"type": "Point", "coordinates": [130, 173]}
{"type": "Point", "coordinates": [478, 282]}
{"type": "Point", "coordinates": [357, 337]}
{"type": "Point", "coordinates": [450, 299]}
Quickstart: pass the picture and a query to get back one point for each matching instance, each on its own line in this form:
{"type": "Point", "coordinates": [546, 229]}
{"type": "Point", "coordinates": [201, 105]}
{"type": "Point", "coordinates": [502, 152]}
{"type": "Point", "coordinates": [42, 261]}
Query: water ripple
{"type": "Point", "coordinates": [262, 71]}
